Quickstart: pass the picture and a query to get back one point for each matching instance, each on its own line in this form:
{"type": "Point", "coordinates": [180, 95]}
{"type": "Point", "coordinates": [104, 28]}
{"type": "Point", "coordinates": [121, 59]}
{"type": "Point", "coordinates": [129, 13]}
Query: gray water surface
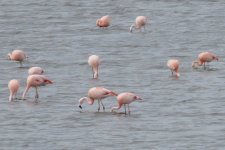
{"type": "Point", "coordinates": [177, 114]}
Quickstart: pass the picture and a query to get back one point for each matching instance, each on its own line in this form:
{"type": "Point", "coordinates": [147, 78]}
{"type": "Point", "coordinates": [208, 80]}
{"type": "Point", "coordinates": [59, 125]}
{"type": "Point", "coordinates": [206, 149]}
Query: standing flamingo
{"type": "Point", "coordinates": [13, 86]}
{"type": "Point", "coordinates": [96, 93]}
{"type": "Point", "coordinates": [125, 99]}
{"type": "Point", "coordinates": [103, 21]}
{"type": "Point", "coordinates": [17, 55]}
{"type": "Point", "coordinates": [94, 62]}
{"type": "Point", "coordinates": [139, 23]}
{"type": "Point", "coordinates": [35, 70]}
{"type": "Point", "coordinates": [35, 81]}
{"type": "Point", "coordinates": [173, 64]}
{"type": "Point", "coordinates": [204, 57]}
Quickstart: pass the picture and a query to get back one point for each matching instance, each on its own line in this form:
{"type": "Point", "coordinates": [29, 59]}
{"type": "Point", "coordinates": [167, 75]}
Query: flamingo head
{"type": "Point", "coordinates": [81, 101]}
{"type": "Point", "coordinates": [98, 22]}
{"type": "Point", "coordinates": [9, 56]}
{"type": "Point", "coordinates": [89, 100]}
{"type": "Point", "coordinates": [195, 64]}
{"type": "Point", "coordinates": [46, 81]}
{"type": "Point", "coordinates": [215, 58]}
{"type": "Point", "coordinates": [111, 93]}
{"type": "Point", "coordinates": [137, 98]}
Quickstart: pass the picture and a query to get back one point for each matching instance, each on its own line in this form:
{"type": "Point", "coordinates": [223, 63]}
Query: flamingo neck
{"type": "Point", "coordinates": [25, 92]}
{"type": "Point", "coordinates": [116, 107]}
{"type": "Point", "coordinates": [10, 97]}
{"type": "Point", "coordinates": [95, 73]}
{"type": "Point", "coordinates": [131, 27]}
{"type": "Point", "coordinates": [90, 101]}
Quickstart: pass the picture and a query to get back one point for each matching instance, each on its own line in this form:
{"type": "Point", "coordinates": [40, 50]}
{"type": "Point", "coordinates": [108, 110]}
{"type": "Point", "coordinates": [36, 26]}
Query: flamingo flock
{"type": "Point", "coordinates": [36, 77]}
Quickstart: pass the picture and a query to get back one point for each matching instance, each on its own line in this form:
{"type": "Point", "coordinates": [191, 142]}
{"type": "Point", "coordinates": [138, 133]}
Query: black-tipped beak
{"type": "Point", "coordinates": [80, 107]}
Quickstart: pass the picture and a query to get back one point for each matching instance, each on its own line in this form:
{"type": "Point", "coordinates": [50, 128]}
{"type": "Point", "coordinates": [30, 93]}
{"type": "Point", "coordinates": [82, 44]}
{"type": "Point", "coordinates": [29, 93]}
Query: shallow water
{"type": "Point", "coordinates": [185, 113]}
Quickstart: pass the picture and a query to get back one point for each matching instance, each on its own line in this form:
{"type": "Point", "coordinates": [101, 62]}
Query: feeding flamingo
{"type": "Point", "coordinates": [173, 64]}
{"type": "Point", "coordinates": [125, 99]}
{"type": "Point", "coordinates": [13, 86]}
{"type": "Point", "coordinates": [204, 57]}
{"type": "Point", "coordinates": [103, 21]}
{"type": "Point", "coordinates": [17, 55]}
{"type": "Point", "coordinates": [140, 22]}
{"type": "Point", "coordinates": [94, 62]}
{"type": "Point", "coordinates": [96, 93]}
{"type": "Point", "coordinates": [35, 81]}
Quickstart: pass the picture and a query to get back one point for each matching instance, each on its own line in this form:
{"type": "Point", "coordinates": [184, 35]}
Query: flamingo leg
{"type": "Point", "coordinates": [204, 65]}
{"type": "Point", "coordinates": [36, 96]}
{"type": "Point", "coordinates": [102, 105]}
{"type": "Point", "coordinates": [128, 108]}
{"type": "Point", "coordinates": [97, 72]}
{"type": "Point", "coordinates": [144, 28]}
{"type": "Point", "coordinates": [125, 108]}
{"type": "Point", "coordinates": [93, 74]}
{"type": "Point", "coordinates": [21, 64]}
{"type": "Point", "coordinates": [171, 72]}
{"type": "Point", "coordinates": [98, 105]}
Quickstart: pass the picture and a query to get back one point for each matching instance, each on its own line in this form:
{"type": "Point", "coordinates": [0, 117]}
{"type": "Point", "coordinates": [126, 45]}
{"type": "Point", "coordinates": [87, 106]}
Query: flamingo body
{"type": "Point", "coordinates": [13, 86]}
{"type": "Point", "coordinates": [96, 93]}
{"type": "Point", "coordinates": [173, 65]}
{"type": "Point", "coordinates": [35, 81]}
{"type": "Point", "coordinates": [125, 99]}
{"type": "Point", "coordinates": [103, 21]}
{"type": "Point", "coordinates": [94, 62]}
{"type": "Point", "coordinates": [17, 55]}
{"type": "Point", "coordinates": [35, 70]}
{"type": "Point", "coordinates": [140, 22]}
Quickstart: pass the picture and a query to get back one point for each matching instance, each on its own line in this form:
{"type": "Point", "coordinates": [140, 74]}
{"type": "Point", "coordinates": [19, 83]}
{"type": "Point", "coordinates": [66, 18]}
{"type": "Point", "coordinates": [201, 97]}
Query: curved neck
{"type": "Point", "coordinates": [89, 100]}
{"type": "Point", "coordinates": [25, 92]}
{"type": "Point", "coordinates": [116, 107]}
{"type": "Point", "coordinates": [131, 27]}
{"type": "Point", "coordinates": [95, 71]}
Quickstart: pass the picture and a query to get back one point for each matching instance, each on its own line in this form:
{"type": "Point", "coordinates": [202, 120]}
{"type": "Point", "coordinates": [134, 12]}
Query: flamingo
{"type": "Point", "coordinates": [103, 21]}
{"type": "Point", "coordinates": [35, 81]}
{"type": "Point", "coordinates": [35, 70]}
{"type": "Point", "coordinates": [125, 99]}
{"type": "Point", "coordinates": [96, 93]}
{"type": "Point", "coordinates": [173, 64]}
{"type": "Point", "coordinates": [94, 62]}
{"type": "Point", "coordinates": [204, 57]}
{"type": "Point", "coordinates": [13, 86]}
{"type": "Point", "coordinates": [17, 55]}
{"type": "Point", "coordinates": [139, 23]}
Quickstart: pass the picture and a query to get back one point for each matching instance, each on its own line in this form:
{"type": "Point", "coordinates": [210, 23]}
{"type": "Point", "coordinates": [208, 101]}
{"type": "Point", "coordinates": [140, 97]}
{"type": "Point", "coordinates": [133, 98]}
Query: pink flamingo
{"type": "Point", "coordinates": [96, 93]}
{"type": "Point", "coordinates": [125, 99]}
{"type": "Point", "coordinates": [17, 55]}
{"type": "Point", "coordinates": [139, 23]}
{"type": "Point", "coordinates": [13, 86]}
{"type": "Point", "coordinates": [94, 62]}
{"type": "Point", "coordinates": [35, 81]}
{"type": "Point", "coordinates": [35, 70]}
{"type": "Point", "coordinates": [204, 57]}
{"type": "Point", "coordinates": [173, 64]}
{"type": "Point", "coordinates": [103, 21]}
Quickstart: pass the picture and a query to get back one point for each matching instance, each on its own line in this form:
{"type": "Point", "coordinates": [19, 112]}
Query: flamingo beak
{"type": "Point", "coordinates": [80, 107]}
{"type": "Point", "coordinates": [48, 81]}
{"type": "Point", "coordinates": [113, 94]}
{"type": "Point", "coordinates": [138, 98]}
